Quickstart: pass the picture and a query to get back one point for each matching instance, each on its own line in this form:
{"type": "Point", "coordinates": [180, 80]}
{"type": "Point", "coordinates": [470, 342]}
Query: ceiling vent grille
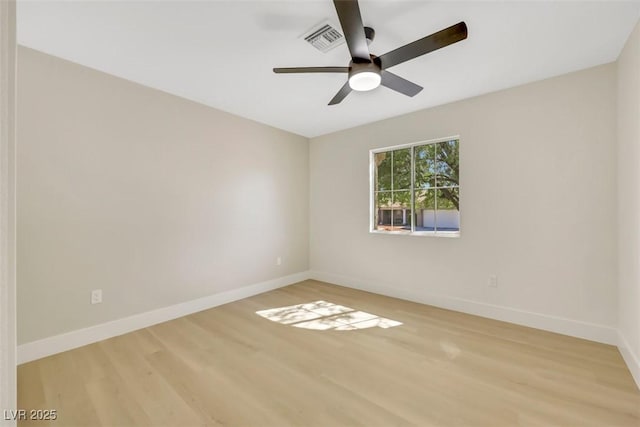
{"type": "Point", "coordinates": [324, 37]}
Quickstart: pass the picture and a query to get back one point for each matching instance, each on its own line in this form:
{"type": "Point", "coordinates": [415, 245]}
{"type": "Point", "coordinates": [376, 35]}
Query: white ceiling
{"type": "Point", "coordinates": [221, 53]}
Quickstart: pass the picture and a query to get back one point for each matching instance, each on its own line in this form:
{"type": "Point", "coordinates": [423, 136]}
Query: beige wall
{"type": "Point", "coordinates": [153, 199]}
{"type": "Point", "coordinates": [538, 207]}
{"type": "Point", "coordinates": [629, 196]}
{"type": "Point", "coordinates": [7, 209]}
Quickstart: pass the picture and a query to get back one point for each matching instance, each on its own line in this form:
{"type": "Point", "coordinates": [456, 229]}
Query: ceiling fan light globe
{"type": "Point", "coordinates": [364, 81]}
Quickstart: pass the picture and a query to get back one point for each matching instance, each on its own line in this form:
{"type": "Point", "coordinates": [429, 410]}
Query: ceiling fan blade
{"type": "Point", "coordinates": [311, 70]}
{"type": "Point", "coordinates": [399, 84]}
{"type": "Point", "coordinates": [352, 27]}
{"type": "Point", "coordinates": [435, 41]}
{"type": "Point", "coordinates": [342, 94]}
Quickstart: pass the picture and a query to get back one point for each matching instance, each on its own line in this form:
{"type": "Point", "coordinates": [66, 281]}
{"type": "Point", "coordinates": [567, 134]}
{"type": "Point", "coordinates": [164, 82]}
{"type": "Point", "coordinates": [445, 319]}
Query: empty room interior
{"type": "Point", "coordinates": [322, 213]}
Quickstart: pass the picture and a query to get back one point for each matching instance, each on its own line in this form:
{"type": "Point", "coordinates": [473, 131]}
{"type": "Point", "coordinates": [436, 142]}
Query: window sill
{"type": "Point", "coordinates": [445, 234]}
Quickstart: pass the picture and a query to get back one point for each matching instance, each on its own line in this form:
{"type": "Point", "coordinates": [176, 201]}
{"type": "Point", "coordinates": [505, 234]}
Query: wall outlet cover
{"type": "Point", "coordinates": [96, 296]}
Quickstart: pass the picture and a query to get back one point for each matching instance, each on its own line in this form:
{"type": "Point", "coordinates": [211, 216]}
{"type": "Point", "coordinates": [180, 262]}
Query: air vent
{"type": "Point", "coordinates": [324, 37]}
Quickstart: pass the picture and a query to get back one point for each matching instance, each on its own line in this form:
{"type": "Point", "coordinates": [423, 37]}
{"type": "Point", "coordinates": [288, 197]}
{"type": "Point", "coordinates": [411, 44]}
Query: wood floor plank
{"type": "Point", "coordinates": [228, 366]}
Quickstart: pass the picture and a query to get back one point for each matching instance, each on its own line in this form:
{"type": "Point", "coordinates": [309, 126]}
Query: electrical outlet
{"type": "Point", "coordinates": [279, 260]}
{"type": "Point", "coordinates": [96, 296]}
{"type": "Point", "coordinates": [493, 281]}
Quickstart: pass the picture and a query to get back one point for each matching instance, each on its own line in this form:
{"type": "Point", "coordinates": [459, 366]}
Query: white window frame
{"type": "Point", "coordinates": [372, 189]}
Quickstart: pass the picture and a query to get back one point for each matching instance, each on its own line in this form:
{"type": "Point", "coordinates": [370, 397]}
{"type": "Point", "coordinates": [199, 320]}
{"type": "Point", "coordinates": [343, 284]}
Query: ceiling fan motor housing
{"type": "Point", "coordinates": [369, 34]}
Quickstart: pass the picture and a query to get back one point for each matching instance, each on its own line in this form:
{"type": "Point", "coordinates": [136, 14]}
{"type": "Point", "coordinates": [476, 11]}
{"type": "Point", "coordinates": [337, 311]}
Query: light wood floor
{"type": "Point", "coordinates": [228, 366]}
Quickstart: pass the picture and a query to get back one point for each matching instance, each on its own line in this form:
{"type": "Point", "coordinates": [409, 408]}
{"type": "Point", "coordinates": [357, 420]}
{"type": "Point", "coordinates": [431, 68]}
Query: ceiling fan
{"type": "Point", "coordinates": [367, 71]}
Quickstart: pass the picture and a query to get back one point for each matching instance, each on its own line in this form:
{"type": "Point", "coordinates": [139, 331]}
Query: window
{"type": "Point", "coordinates": [415, 188]}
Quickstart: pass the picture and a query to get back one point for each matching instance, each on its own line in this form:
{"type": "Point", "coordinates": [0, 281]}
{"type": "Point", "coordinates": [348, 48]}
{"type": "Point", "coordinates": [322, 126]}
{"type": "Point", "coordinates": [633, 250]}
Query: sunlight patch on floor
{"type": "Point", "coordinates": [323, 316]}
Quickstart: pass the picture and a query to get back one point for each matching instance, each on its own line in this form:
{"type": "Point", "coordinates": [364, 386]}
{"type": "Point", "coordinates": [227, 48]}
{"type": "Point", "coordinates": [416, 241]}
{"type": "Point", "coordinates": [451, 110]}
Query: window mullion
{"type": "Point", "coordinates": [435, 190]}
{"type": "Point", "coordinates": [412, 188]}
{"type": "Point", "coordinates": [393, 195]}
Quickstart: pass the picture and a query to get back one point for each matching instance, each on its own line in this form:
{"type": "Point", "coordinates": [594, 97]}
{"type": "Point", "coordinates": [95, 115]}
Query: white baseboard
{"type": "Point", "coordinates": [574, 328]}
{"type": "Point", "coordinates": [632, 360]}
{"type": "Point", "coordinates": [70, 340]}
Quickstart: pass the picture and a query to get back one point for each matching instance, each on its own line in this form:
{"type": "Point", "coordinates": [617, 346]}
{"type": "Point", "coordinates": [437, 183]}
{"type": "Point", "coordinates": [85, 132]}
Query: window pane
{"type": "Point", "coordinates": [401, 216]}
{"type": "Point", "coordinates": [447, 163]}
{"type": "Point", "coordinates": [425, 210]}
{"type": "Point", "coordinates": [448, 210]}
{"type": "Point", "coordinates": [402, 169]}
{"type": "Point", "coordinates": [383, 171]}
{"type": "Point", "coordinates": [383, 211]}
{"type": "Point", "coordinates": [425, 166]}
